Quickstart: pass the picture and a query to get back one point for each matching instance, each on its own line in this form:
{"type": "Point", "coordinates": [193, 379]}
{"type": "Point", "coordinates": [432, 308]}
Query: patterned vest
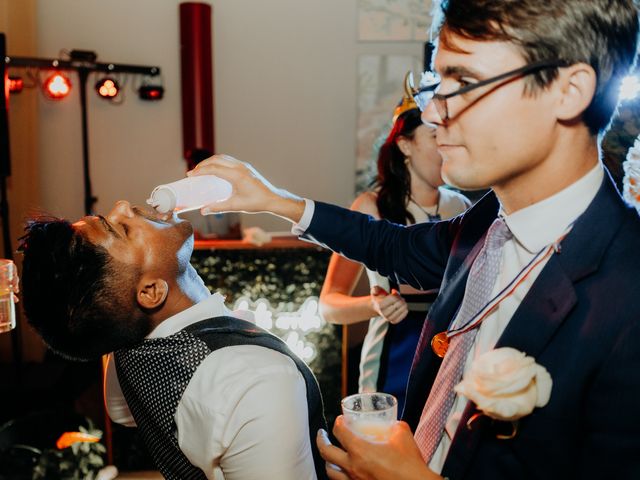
{"type": "Point", "coordinates": [154, 374]}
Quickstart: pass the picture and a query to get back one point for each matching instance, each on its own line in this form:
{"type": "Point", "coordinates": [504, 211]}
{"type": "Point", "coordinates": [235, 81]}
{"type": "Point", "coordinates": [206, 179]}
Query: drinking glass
{"type": "Point", "coordinates": [8, 287]}
{"type": "Point", "coordinates": [371, 415]}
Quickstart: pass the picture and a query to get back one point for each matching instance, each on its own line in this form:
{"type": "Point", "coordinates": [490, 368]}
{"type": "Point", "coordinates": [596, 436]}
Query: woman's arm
{"type": "Point", "coordinates": [336, 303]}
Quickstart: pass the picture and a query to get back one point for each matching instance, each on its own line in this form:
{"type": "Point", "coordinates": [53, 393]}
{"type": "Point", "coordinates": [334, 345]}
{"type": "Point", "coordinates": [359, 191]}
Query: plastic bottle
{"type": "Point", "coordinates": [189, 193]}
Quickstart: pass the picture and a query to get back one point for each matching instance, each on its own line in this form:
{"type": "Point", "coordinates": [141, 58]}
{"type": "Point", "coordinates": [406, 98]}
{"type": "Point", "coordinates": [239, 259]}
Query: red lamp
{"type": "Point", "coordinates": [57, 86]}
{"type": "Point", "coordinates": [16, 84]}
{"type": "Point", "coordinates": [108, 88]}
{"type": "Point", "coordinates": [151, 92]}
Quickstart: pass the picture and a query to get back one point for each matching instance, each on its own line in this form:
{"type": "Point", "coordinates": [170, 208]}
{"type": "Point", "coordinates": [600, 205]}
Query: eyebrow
{"type": "Point", "coordinates": [108, 227]}
{"type": "Point", "coordinates": [460, 71]}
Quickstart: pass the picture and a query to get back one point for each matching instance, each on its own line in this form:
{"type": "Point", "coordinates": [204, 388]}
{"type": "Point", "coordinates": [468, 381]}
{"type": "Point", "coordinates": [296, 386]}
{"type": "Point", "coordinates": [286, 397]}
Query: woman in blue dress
{"type": "Point", "coordinates": [408, 189]}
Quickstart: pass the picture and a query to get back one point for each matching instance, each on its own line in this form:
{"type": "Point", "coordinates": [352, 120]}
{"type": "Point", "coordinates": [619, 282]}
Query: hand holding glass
{"type": "Point", "coordinates": [8, 289]}
{"type": "Point", "coordinates": [371, 415]}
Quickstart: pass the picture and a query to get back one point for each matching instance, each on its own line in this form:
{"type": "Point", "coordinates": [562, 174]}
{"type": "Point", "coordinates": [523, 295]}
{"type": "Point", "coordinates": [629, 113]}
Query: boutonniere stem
{"type": "Point", "coordinates": [500, 436]}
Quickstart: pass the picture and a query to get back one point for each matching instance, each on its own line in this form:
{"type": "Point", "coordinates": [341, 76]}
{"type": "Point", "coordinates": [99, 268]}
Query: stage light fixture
{"type": "Point", "coordinates": [108, 88]}
{"type": "Point", "coordinates": [57, 86]}
{"type": "Point", "coordinates": [16, 84]}
{"type": "Point", "coordinates": [151, 92]}
{"type": "Point", "coordinates": [83, 55]}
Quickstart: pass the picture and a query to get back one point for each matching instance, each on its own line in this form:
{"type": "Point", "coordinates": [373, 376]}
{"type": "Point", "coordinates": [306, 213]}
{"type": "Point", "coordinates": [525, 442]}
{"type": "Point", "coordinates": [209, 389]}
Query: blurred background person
{"type": "Point", "coordinates": [408, 189]}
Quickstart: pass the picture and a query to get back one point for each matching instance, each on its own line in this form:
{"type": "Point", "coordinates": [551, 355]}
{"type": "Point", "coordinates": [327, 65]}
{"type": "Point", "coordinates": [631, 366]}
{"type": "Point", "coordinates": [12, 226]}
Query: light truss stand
{"type": "Point", "coordinates": [84, 68]}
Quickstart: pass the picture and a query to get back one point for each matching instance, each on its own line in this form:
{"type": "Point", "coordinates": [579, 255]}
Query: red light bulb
{"type": "Point", "coordinates": [57, 86]}
{"type": "Point", "coordinates": [107, 88]}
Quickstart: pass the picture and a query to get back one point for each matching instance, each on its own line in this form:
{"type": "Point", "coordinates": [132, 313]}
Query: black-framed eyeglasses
{"type": "Point", "coordinates": [426, 94]}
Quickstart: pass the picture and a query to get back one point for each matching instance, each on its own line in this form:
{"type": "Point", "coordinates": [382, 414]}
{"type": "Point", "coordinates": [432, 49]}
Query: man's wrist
{"type": "Point", "coordinates": [288, 206]}
{"type": "Point", "coordinates": [300, 227]}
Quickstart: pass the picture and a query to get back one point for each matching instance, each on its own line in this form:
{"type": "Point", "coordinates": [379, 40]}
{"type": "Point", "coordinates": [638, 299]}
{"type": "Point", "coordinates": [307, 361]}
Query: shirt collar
{"type": "Point", "coordinates": [212, 306]}
{"type": "Point", "coordinates": [544, 222]}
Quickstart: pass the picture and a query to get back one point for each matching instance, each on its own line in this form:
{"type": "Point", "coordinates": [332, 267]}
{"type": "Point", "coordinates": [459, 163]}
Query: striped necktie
{"type": "Point", "coordinates": [480, 283]}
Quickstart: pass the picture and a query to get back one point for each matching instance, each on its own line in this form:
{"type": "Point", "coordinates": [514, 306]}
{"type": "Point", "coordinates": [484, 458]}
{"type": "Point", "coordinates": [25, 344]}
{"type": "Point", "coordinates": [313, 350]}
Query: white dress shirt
{"type": "Point", "coordinates": [244, 413]}
{"type": "Point", "coordinates": [533, 228]}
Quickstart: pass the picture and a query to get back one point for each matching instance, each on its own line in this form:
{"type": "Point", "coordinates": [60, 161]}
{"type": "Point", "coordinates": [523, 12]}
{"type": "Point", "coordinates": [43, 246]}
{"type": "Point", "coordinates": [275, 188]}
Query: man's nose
{"type": "Point", "coordinates": [121, 209]}
{"type": "Point", "coordinates": [430, 115]}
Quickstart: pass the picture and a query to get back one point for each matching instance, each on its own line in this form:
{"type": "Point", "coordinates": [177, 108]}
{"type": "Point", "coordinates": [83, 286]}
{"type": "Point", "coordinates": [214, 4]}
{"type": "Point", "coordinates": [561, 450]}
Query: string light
{"type": "Point", "coordinates": [292, 327]}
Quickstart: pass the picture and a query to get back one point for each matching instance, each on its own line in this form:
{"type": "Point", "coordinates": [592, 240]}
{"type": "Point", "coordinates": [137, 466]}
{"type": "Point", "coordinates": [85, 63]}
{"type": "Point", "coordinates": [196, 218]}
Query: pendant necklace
{"type": "Point", "coordinates": [432, 217]}
{"type": "Point", "coordinates": [440, 342]}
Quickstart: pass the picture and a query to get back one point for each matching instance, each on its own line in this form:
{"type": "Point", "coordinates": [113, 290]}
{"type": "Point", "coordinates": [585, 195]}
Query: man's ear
{"type": "Point", "coordinates": [403, 145]}
{"type": "Point", "coordinates": [577, 86]}
{"type": "Point", "coordinates": [152, 292]}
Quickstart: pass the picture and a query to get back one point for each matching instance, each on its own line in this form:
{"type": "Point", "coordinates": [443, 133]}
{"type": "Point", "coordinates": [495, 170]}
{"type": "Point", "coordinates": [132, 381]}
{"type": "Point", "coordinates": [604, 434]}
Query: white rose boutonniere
{"type": "Point", "coordinates": [505, 384]}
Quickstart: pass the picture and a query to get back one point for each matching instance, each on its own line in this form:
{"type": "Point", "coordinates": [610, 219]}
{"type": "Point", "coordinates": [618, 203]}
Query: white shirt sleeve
{"type": "Point", "coordinates": [115, 403]}
{"type": "Point", "coordinates": [244, 416]}
{"type": "Point", "coordinates": [301, 227]}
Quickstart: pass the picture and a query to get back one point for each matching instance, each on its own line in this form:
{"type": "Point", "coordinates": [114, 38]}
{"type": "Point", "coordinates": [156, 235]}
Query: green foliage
{"type": "Point", "coordinates": [81, 461]}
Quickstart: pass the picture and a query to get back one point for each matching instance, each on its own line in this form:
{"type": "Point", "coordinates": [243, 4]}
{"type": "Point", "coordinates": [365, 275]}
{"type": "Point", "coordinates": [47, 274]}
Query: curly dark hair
{"type": "Point", "coordinates": [393, 181]}
{"type": "Point", "coordinates": [75, 295]}
{"type": "Point", "coordinates": [600, 33]}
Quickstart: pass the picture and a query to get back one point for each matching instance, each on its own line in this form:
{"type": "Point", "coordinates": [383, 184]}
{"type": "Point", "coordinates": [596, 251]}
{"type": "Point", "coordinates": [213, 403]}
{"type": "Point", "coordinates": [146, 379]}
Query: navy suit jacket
{"type": "Point", "coordinates": [580, 320]}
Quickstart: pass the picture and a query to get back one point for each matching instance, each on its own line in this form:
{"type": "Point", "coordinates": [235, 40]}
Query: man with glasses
{"type": "Point", "coordinates": [547, 263]}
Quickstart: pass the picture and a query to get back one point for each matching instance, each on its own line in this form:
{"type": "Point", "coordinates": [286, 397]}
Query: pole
{"type": "Point", "coordinates": [5, 171]}
{"type": "Point", "coordinates": [89, 199]}
{"type": "Point", "coordinates": [5, 152]}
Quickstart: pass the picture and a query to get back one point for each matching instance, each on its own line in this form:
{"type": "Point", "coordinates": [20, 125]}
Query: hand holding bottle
{"type": "Point", "coordinates": [252, 193]}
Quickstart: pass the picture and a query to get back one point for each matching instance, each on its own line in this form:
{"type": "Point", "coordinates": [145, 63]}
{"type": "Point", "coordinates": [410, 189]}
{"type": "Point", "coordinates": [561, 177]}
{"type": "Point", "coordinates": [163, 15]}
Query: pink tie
{"type": "Point", "coordinates": [482, 278]}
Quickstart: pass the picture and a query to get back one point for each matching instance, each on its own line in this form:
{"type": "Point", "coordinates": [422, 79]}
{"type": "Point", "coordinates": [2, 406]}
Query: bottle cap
{"type": "Point", "coordinates": [163, 199]}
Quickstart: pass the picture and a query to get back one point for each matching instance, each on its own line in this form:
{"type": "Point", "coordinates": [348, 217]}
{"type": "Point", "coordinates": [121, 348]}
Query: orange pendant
{"type": "Point", "coordinates": [440, 344]}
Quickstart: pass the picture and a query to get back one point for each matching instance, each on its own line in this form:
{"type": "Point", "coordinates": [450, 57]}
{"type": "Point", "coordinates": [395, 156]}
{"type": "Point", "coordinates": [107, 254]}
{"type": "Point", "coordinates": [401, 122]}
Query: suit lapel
{"type": "Point", "coordinates": [548, 302]}
{"type": "Point", "coordinates": [541, 312]}
{"type": "Point", "coordinates": [552, 295]}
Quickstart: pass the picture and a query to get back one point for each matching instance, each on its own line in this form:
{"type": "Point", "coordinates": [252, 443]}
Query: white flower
{"type": "Point", "coordinates": [634, 151]}
{"type": "Point", "coordinates": [428, 79]}
{"type": "Point", "coordinates": [631, 187]}
{"type": "Point", "coordinates": [505, 384]}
